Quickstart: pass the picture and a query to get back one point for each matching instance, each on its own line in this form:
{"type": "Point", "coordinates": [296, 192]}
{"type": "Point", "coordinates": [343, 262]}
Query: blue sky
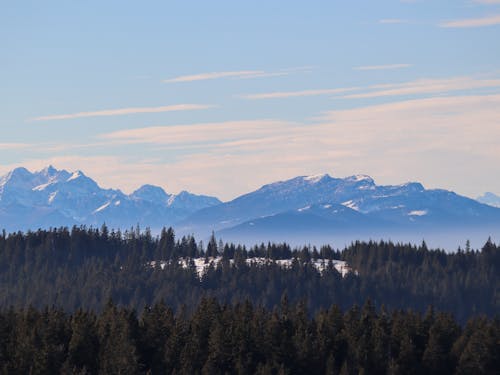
{"type": "Point", "coordinates": [221, 97]}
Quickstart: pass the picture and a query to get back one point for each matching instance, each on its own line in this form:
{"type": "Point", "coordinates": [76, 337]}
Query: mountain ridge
{"type": "Point", "coordinates": [295, 210]}
{"type": "Point", "coordinates": [52, 197]}
{"type": "Point", "coordinates": [308, 207]}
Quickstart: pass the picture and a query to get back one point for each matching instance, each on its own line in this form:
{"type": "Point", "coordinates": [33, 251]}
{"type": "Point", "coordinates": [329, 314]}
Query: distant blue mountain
{"type": "Point", "coordinates": [490, 199]}
{"type": "Point", "coordinates": [313, 207]}
{"type": "Point", "coordinates": [303, 209]}
{"type": "Point", "coordinates": [52, 197]}
{"type": "Point", "coordinates": [406, 204]}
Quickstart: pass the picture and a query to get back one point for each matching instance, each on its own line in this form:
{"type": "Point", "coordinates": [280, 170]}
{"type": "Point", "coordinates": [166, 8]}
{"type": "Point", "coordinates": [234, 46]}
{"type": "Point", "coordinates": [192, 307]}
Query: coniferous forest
{"type": "Point", "coordinates": [86, 300]}
{"type": "Point", "coordinates": [245, 339]}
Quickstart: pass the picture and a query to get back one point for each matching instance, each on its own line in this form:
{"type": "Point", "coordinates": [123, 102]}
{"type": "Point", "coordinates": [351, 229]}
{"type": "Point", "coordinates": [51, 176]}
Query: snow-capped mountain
{"type": "Point", "coordinates": [283, 196]}
{"type": "Point", "coordinates": [52, 197]}
{"type": "Point", "coordinates": [490, 199]}
{"type": "Point", "coordinates": [303, 209]}
{"type": "Point", "coordinates": [409, 202]}
{"type": "Point", "coordinates": [310, 206]}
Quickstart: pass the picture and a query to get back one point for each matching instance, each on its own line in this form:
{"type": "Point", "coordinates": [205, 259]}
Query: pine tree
{"type": "Point", "coordinates": [84, 344]}
{"type": "Point", "coordinates": [118, 353]}
{"type": "Point", "coordinates": [157, 325]}
{"type": "Point", "coordinates": [437, 357]}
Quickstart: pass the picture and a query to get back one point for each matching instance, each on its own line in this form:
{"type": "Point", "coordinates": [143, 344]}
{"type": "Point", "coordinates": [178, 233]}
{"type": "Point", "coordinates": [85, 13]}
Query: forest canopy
{"type": "Point", "coordinates": [86, 267]}
{"type": "Point", "coordinates": [244, 339]}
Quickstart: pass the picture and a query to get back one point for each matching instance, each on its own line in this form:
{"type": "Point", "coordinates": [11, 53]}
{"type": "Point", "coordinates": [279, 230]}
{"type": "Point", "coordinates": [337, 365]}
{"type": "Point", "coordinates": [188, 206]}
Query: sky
{"type": "Point", "coordinates": [221, 97]}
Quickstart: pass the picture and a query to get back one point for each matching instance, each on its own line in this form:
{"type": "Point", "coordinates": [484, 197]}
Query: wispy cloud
{"type": "Point", "coordinates": [200, 133]}
{"type": "Point", "coordinates": [425, 86]}
{"type": "Point", "coordinates": [239, 74]}
{"type": "Point", "coordinates": [392, 142]}
{"type": "Point", "coordinates": [420, 86]}
{"type": "Point", "coordinates": [383, 67]}
{"type": "Point", "coordinates": [293, 94]}
{"type": "Point", "coordinates": [392, 21]}
{"type": "Point", "coordinates": [214, 75]}
{"type": "Point", "coordinates": [472, 22]}
{"type": "Point", "coordinates": [124, 111]}
{"type": "Point", "coordinates": [13, 146]}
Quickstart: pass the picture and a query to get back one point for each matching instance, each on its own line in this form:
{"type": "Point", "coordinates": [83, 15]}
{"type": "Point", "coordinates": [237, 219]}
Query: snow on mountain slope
{"type": "Point", "coordinates": [307, 207]}
{"type": "Point", "coordinates": [283, 196]}
{"type": "Point", "coordinates": [296, 206]}
{"type": "Point", "coordinates": [52, 197]}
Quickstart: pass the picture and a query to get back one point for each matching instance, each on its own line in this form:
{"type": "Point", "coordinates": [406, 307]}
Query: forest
{"type": "Point", "coordinates": [245, 339]}
{"type": "Point", "coordinates": [86, 301]}
{"type": "Point", "coordinates": [85, 267]}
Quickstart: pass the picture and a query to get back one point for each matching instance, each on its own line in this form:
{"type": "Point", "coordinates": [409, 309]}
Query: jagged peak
{"type": "Point", "coordinates": [49, 170]}
{"type": "Point", "coordinates": [186, 195]}
{"type": "Point", "coordinates": [19, 171]}
{"type": "Point", "coordinates": [183, 193]}
{"type": "Point", "coordinates": [17, 174]}
{"type": "Point", "coordinates": [75, 175]}
{"type": "Point", "coordinates": [151, 193]}
{"type": "Point", "coordinates": [52, 174]}
{"type": "Point", "coordinates": [149, 188]}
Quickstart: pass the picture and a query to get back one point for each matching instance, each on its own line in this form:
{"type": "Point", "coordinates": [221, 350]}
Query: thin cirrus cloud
{"type": "Point", "coordinates": [426, 86]}
{"type": "Point", "coordinates": [420, 86]}
{"type": "Point", "coordinates": [199, 133]}
{"type": "Point", "coordinates": [383, 67]}
{"type": "Point", "coordinates": [215, 75]}
{"type": "Point", "coordinates": [124, 111]}
{"type": "Point", "coordinates": [300, 93]}
{"type": "Point", "coordinates": [238, 74]}
{"type": "Point", "coordinates": [341, 141]}
{"type": "Point", "coordinates": [472, 22]}
{"type": "Point", "coordinates": [13, 146]}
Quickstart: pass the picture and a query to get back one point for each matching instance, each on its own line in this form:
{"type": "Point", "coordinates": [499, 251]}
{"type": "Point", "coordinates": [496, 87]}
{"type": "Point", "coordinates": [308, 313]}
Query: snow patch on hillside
{"type": "Point", "coordinates": [52, 196]}
{"type": "Point", "coordinates": [351, 204]}
{"type": "Point", "coordinates": [203, 264]}
{"type": "Point", "coordinates": [74, 176]}
{"type": "Point", "coordinates": [359, 177]}
{"type": "Point", "coordinates": [315, 178]}
{"type": "Point", "coordinates": [103, 207]}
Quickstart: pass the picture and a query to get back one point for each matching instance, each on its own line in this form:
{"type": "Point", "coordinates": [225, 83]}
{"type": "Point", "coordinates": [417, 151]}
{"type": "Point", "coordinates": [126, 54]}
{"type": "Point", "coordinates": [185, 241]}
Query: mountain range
{"type": "Point", "coordinates": [323, 209]}
{"type": "Point", "coordinates": [54, 198]}
{"type": "Point", "coordinates": [303, 209]}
